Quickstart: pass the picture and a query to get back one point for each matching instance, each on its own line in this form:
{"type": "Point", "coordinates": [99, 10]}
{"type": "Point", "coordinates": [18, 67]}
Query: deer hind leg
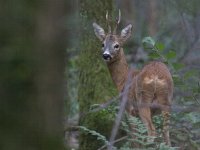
{"type": "Point", "coordinates": [145, 115]}
{"type": "Point", "coordinates": [166, 122]}
{"type": "Point", "coordinates": [165, 108]}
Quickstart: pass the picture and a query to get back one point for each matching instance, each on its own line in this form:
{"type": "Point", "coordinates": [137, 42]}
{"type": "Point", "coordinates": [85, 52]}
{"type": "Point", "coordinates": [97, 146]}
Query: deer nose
{"type": "Point", "coordinates": [106, 56]}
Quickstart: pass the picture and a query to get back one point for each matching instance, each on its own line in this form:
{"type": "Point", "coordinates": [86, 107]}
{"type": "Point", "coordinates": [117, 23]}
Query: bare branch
{"type": "Point", "coordinates": [120, 113]}
{"type": "Point", "coordinates": [118, 140]}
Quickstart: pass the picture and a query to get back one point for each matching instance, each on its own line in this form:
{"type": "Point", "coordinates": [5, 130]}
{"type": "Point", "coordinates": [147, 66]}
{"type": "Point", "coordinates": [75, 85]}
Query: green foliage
{"type": "Point", "coordinates": [156, 52]}
{"type": "Point", "coordinates": [140, 135]}
{"type": "Point", "coordinates": [163, 146]}
{"type": "Point", "coordinates": [94, 133]}
{"type": "Point", "coordinates": [99, 125]}
{"type": "Point", "coordinates": [139, 128]}
{"type": "Point", "coordinates": [170, 55]}
{"type": "Point", "coordinates": [148, 42]}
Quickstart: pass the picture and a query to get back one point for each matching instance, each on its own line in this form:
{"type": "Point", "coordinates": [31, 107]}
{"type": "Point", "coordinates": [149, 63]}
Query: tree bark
{"type": "Point", "coordinates": [95, 83]}
{"type": "Point", "coordinates": [152, 25]}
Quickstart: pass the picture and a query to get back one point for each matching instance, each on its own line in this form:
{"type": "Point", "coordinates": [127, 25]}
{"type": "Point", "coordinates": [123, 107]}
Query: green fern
{"type": "Point", "coordinates": [94, 133]}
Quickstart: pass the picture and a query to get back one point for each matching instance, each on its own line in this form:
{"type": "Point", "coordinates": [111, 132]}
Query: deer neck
{"type": "Point", "coordinates": [119, 71]}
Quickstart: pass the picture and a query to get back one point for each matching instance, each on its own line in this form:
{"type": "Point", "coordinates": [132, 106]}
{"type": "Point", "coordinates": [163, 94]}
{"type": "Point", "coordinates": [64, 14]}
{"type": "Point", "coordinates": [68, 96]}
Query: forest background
{"type": "Point", "coordinates": [52, 74]}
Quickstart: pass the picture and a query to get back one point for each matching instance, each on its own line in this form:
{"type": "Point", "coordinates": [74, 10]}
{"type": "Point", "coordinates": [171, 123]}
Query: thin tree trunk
{"type": "Point", "coordinates": [152, 26]}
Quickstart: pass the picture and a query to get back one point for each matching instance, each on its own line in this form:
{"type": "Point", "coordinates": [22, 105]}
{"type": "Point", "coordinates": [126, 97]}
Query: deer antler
{"type": "Point", "coordinates": [108, 22]}
{"type": "Point", "coordinates": [117, 22]}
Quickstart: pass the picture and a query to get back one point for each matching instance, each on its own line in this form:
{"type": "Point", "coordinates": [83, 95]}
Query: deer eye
{"type": "Point", "coordinates": [102, 45]}
{"type": "Point", "coordinates": [116, 46]}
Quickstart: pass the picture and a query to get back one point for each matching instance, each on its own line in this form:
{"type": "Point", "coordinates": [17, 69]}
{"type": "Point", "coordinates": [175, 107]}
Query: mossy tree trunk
{"type": "Point", "coordinates": [95, 85]}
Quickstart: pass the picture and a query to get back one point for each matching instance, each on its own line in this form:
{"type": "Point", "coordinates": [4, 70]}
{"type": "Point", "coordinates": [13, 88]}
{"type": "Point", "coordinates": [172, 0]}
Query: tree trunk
{"type": "Point", "coordinates": [153, 11]}
{"type": "Point", "coordinates": [32, 74]}
{"type": "Point", "coordinates": [95, 83]}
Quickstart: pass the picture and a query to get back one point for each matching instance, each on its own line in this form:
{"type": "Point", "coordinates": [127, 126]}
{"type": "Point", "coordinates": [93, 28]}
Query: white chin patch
{"type": "Point", "coordinates": [107, 60]}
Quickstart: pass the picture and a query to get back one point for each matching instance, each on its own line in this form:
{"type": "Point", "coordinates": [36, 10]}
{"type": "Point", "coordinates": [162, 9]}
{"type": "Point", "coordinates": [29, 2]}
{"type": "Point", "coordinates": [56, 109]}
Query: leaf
{"type": "Point", "coordinates": [193, 117]}
{"type": "Point", "coordinates": [171, 55]}
{"type": "Point", "coordinates": [154, 55]}
{"type": "Point", "coordinates": [190, 74]}
{"type": "Point", "coordinates": [94, 106]}
{"type": "Point", "coordinates": [160, 46]}
{"type": "Point", "coordinates": [178, 66]}
{"type": "Point", "coordinates": [177, 80]}
{"type": "Point", "coordinates": [148, 42]}
{"type": "Point", "coordinates": [94, 133]}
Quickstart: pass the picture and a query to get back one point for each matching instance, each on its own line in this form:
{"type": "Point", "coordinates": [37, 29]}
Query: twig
{"type": "Point", "coordinates": [104, 105]}
{"type": "Point", "coordinates": [120, 113]}
{"type": "Point", "coordinates": [194, 97]}
{"type": "Point", "coordinates": [118, 140]}
{"type": "Point", "coordinates": [71, 128]}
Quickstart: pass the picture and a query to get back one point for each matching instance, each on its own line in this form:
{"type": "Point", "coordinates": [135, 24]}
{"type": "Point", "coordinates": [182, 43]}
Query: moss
{"type": "Point", "coordinates": [101, 122]}
{"type": "Point", "coordinates": [95, 84]}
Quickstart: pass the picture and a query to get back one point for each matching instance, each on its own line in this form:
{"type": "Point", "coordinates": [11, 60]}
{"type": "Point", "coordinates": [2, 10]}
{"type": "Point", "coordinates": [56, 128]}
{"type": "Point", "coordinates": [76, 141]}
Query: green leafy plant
{"type": "Point", "coordinates": [135, 128]}
{"type": "Point", "coordinates": [94, 133]}
{"type": "Point", "coordinates": [157, 52]}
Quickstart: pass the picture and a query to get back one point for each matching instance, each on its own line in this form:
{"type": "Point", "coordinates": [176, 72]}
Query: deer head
{"type": "Point", "coordinates": [112, 42]}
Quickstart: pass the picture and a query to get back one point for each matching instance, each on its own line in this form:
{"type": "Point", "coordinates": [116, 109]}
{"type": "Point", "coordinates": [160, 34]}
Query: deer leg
{"type": "Point", "coordinates": [166, 122]}
{"type": "Point", "coordinates": [144, 101]}
{"type": "Point", "coordinates": [145, 115]}
{"type": "Point", "coordinates": [165, 102]}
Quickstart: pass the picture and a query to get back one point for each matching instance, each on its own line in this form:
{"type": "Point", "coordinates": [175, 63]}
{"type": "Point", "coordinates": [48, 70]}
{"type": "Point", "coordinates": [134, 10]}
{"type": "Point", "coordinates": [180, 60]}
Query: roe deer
{"type": "Point", "coordinates": [151, 86]}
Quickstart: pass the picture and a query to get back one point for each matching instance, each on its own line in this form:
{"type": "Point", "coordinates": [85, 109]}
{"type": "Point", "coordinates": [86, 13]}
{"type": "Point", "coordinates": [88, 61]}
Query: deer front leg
{"type": "Point", "coordinates": [145, 115]}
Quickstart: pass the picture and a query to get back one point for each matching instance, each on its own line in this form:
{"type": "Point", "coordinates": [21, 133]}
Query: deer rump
{"type": "Point", "coordinates": [152, 87]}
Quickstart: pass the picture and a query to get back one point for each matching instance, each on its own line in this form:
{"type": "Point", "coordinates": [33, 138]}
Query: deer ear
{"type": "Point", "coordinates": [126, 32]}
{"type": "Point", "coordinates": [99, 31]}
